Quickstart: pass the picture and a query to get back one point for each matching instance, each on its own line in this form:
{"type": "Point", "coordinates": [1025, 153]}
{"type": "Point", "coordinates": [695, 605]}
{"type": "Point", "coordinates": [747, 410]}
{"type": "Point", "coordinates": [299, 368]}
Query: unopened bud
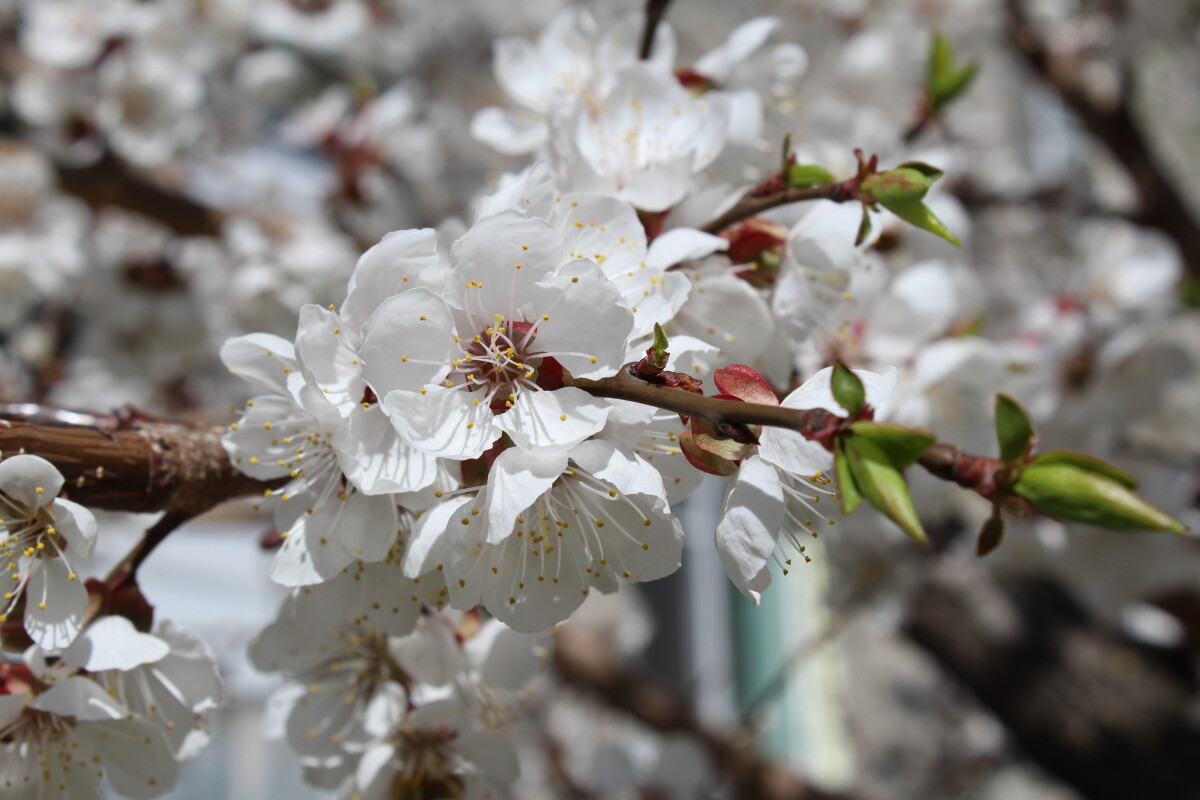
{"type": "Point", "coordinates": [760, 244]}
{"type": "Point", "coordinates": [1069, 492]}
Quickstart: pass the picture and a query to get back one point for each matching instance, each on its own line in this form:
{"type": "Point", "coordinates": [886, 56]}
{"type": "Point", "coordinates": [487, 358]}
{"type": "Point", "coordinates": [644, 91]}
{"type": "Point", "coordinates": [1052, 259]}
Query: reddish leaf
{"type": "Point", "coordinates": [746, 384]}
{"type": "Point", "coordinates": [703, 460]}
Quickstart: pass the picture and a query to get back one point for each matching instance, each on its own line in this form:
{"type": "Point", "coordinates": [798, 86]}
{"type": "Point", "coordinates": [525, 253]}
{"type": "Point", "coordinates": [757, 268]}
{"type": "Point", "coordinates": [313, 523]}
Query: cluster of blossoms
{"type": "Point", "coordinates": [455, 473]}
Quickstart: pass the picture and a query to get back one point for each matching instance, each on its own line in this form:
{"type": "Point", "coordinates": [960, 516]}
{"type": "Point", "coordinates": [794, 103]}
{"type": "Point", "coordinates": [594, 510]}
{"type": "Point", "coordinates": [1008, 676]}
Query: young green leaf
{"type": "Point", "coordinates": [847, 389]}
{"type": "Point", "coordinates": [898, 186]}
{"type": "Point", "coordinates": [901, 444]}
{"type": "Point", "coordinates": [864, 227]}
{"type": "Point", "coordinates": [658, 349]}
{"type": "Point", "coordinates": [882, 485]}
{"type": "Point", "coordinates": [848, 494]}
{"type": "Point", "coordinates": [802, 176]}
{"type": "Point", "coordinates": [944, 81]}
{"type": "Point", "coordinates": [1014, 431]}
{"type": "Point", "coordinates": [919, 215]}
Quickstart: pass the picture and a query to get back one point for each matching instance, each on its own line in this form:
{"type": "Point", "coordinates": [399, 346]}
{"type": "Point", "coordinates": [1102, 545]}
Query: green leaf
{"type": "Point", "coordinates": [1088, 464]}
{"type": "Point", "coordinates": [941, 56]}
{"type": "Point", "coordinates": [848, 494]}
{"type": "Point", "coordinates": [901, 444]}
{"type": "Point", "coordinates": [944, 82]}
{"type": "Point", "coordinates": [658, 349]}
{"type": "Point", "coordinates": [864, 228]}
{"type": "Point", "coordinates": [1014, 431]}
{"type": "Point", "coordinates": [928, 170]}
{"type": "Point", "coordinates": [897, 186]}
{"type": "Point", "coordinates": [919, 215]}
{"type": "Point", "coordinates": [847, 389]}
{"type": "Point", "coordinates": [991, 533]}
{"type": "Point", "coordinates": [801, 176]}
{"type": "Point", "coordinates": [882, 485]}
{"type": "Point", "coordinates": [1068, 492]}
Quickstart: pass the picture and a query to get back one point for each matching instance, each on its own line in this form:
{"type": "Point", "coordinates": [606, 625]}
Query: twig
{"type": "Point", "coordinates": [655, 9]}
{"type": "Point", "coordinates": [586, 664]}
{"type": "Point", "coordinates": [978, 473]}
{"type": "Point", "coordinates": [717, 413]}
{"type": "Point", "coordinates": [752, 203]}
{"type": "Point", "coordinates": [1162, 206]}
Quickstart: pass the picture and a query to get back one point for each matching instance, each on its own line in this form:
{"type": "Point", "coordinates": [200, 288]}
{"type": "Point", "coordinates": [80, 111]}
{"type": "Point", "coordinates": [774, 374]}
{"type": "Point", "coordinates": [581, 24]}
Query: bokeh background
{"type": "Point", "coordinates": [173, 172]}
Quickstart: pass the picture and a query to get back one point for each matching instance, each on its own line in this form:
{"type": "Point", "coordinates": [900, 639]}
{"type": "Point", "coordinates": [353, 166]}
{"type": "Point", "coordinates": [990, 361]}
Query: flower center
{"type": "Point", "coordinates": [502, 359]}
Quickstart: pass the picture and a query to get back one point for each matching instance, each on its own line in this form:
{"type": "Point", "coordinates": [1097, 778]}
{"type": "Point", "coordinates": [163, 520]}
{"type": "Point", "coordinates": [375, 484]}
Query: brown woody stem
{"type": "Point", "coordinates": [152, 467]}
{"type": "Point", "coordinates": [655, 10]}
{"type": "Point", "coordinates": [980, 474]}
{"type": "Point", "coordinates": [752, 203]}
{"type": "Point", "coordinates": [717, 413]}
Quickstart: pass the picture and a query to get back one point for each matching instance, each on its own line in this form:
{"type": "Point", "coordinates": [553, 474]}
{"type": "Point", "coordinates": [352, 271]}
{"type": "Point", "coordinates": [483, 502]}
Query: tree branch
{"type": "Point", "coordinates": [755, 202]}
{"type": "Point", "coordinates": [586, 664]}
{"type": "Point", "coordinates": [655, 10]}
{"type": "Point", "coordinates": [108, 182]}
{"type": "Point", "coordinates": [717, 413]}
{"type": "Point", "coordinates": [1108, 717]}
{"type": "Point", "coordinates": [947, 462]}
{"type": "Point", "coordinates": [153, 466]}
{"type": "Point", "coordinates": [1162, 206]}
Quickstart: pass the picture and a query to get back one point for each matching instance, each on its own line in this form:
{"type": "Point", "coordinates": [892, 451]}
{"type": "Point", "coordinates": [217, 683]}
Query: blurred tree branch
{"type": "Point", "coordinates": [587, 664]}
{"type": "Point", "coordinates": [1106, 716]}
{"type": "Point", "coordinates": [1162, 206]}
{"type": "Point", "coordinates": [108, 182]}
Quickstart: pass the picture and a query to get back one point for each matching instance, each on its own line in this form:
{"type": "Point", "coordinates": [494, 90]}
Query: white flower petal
{"type": "Point", "coordinates": [22, 476]}
{"type": "Point", "coordinates": [310, 552]}
{"type": "Point", "coordinates": [718, 63]}
{"type": "Point", "coordinates": [509, 131]}
{"type": "Point", "coordinates": [113, 643]}
{"type": "Point", "coordinates": [80, 698]}
{"type": "Point", "coordinates": [77, 526]}
{"type": "Point", "coordinates": [375, 459]}
{"type": "Point", "coordinates": [517, 478]}
{"type": "Point", "coordinates": [683, 244]}
{"type": "Point", "coordinates": [561, 418]}
{"type": "Point", "coordinates": [625, 470]}
{"type": "Point", "coordinates": [367, 525]}
{"type": "Point", "coordinates": [588, 324]}
{"type": "Point", "coordinates": [398, 262]}
{"type": "Point", "coordinates": [486, 278]}
{"type": "Point", "coordinates": [260, 359]}
{"type": "Point", "coordinates": [447, 423]}
{"type": "Point", "coordinates": [55, 601]}
{"type": "Point", "coordinates": [328, 357]}
{"type": "Point", "coordinates": [407, 342]}
{"type": "Point", "coordinates": [749, 527]}
{"type": "Point", "coordinates": [136, 758]}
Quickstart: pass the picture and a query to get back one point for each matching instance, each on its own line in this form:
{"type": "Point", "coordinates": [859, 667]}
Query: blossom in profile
{"type": "Point", "coordinates": [772, 503]}
{"type": "Point", "coordinates": [62, 733]}
{"type": "Point", "coordinates": [43, 537]}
